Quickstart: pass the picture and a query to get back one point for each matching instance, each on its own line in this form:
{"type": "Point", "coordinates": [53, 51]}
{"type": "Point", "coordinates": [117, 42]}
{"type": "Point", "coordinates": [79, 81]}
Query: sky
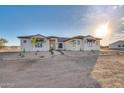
{"type": "Point", "coordinates": [64, 21]}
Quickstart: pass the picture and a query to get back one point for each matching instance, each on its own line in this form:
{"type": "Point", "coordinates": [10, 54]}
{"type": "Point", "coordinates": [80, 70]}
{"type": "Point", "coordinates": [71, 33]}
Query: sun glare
{"type": "Point", "coordinates": [102, 30]}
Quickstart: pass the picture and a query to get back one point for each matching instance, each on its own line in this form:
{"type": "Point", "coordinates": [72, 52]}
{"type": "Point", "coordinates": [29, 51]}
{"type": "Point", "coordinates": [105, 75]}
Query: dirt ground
{"type": "Point", "coordinates": [9, 49]}
{"type": "Point", "coordinates": [109, 69]}
{"type": "Point", "coordinates": [71, 70]}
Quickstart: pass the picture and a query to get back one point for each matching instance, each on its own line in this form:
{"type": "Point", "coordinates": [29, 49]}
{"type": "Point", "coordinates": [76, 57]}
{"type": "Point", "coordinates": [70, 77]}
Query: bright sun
{"type": "Point", "coordinates": [102, 30]}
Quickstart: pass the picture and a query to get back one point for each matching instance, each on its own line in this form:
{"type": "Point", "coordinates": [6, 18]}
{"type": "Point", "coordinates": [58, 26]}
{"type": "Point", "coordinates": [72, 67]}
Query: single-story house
{"type": "Point", "coordinates": [117, 45]}
{"type": "Point", "coordinates": [44, 43]}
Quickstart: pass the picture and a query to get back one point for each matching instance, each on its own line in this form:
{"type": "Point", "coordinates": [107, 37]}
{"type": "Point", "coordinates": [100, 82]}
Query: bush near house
{"type": "Point", "coordinates": [51, 51]}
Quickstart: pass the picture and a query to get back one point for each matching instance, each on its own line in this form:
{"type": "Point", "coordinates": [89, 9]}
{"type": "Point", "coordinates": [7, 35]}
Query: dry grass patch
{"type": "Point", "coordinates": [109, 71]}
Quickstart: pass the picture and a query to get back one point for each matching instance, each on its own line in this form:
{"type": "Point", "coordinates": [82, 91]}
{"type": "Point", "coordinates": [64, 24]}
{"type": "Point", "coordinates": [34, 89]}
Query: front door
{"type": "Point", "coordinates": [52, 43]}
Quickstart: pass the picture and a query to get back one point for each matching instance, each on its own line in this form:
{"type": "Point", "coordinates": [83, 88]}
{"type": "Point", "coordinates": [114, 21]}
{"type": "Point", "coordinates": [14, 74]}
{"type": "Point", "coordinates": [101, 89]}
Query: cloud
{"type": "Point", "coordinates": [122, 18]}
{"type": "Point", "coordinates": [117, 36]}
{"type": "Point", "coordinates": [117, 7]}
{"type": "Point", "coordinates": [120, 6]}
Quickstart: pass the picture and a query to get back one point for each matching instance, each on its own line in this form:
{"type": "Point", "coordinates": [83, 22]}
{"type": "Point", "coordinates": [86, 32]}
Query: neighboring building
{"type": "Point", "coordinates": [117, 45]}
{"type": "Point", "coordinates": [76, 43]}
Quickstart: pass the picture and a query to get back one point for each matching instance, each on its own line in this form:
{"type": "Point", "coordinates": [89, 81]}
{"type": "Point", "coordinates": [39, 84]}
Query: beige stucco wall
{"type": "Point", "coordinates": [94, 46]}
{"type": "Point", "coordinates": [68, 45]}
{"type": "Point", "coordinates": [29, 47]}
{"type": "Point", "coordinates": [83, 45]}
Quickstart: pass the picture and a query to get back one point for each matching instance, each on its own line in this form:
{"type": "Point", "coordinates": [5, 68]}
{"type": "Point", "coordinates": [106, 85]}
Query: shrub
{"type": "Point", "coordinates": [51, 51]}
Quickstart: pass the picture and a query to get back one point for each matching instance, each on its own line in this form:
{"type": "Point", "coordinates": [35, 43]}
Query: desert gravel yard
{"type": "Point", "coordinates": [109, 70]}
{"type": "Point", "coordinates": [71, 70]}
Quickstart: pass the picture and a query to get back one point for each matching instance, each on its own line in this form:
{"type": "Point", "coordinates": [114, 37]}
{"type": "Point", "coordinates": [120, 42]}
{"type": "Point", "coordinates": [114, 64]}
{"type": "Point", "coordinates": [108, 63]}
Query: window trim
{"type": "Point", "coordinates": [39, 45]}
{"type": "Point", "coordinates": [119, 45]}
{"type": "Point", "coordinates": [60, 45]}
{"type": "Point", "coordinates": [24, 41]}
{"type": "Point", "coordinates": [78, 42]}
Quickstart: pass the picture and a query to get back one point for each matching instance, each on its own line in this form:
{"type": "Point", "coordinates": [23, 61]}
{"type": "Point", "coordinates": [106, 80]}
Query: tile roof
{"type": "Point", "coordinates": [29, 36]}
{"type": "Point", "coordinates": [60, 39]}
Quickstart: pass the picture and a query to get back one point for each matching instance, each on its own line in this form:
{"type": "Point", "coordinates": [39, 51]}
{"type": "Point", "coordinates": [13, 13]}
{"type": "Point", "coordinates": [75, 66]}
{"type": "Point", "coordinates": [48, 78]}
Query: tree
{"type": "Point", "coordinates": [3, 42]}
{"type": "Point", "coordinates": [36, 42]}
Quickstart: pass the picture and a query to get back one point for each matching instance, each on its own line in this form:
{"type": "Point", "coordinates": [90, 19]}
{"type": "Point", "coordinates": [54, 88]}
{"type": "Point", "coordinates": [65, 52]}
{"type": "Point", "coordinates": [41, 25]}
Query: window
{"type": "Point", "coordinates": [119, 45]}
{"type": "Point", "coordinates": [74, 43]}
{"type": "Point", "coordinates": [89, 43]}
{"type": "Point", "coordinates": [78, 42]}
{"type": "Point", "coordinates": [24, 41]}
{"type": "Point", "coordinates": [39, 45]}
{"type": "Point", "coordinates": [60, 45]}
